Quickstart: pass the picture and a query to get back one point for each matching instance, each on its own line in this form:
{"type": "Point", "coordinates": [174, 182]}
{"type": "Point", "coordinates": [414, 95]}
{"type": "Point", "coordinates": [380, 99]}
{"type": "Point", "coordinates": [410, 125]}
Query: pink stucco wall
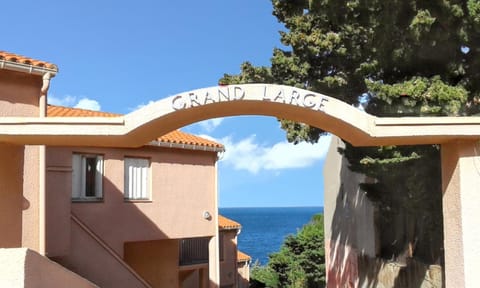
{"type": "Point", "coordinates": [183, 186]}
{"type": "Point", "coordinates": [11, 195]}
{"type": "Point", "coordinates": [228, 267]}
{"type": "Point", "coordinates": [58, 206]}
{"type": "Point", "coordinates": [22, 267]}
{"type": "Point", "coordinates": [19, 96]}
{"type": "Point", "coordinates": [155, 261]}
{"type": "Point", "coordinates": [91, 260]}
{"type": "Point", "coordinates": [243, 269]}
{"type": "Point", "coordinates": [30, 217]}
{"type": "Point", "coordinates": [19, 93]}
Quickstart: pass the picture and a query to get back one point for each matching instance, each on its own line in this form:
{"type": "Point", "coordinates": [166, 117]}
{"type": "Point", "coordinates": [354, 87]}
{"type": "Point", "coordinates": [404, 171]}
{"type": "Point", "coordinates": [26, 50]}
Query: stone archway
{"type": "Point", "coordinates": [459, 137]}
{"type": "Point", "coordinates": [165, 115]}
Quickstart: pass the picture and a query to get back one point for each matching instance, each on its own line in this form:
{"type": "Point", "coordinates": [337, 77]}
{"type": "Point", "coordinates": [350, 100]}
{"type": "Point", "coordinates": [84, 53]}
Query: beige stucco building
{"type": "Point", "coordinates": [234, 264]}
{"type": "Point", "coordinates": [24, 173]}
{"type": "Point", "coordinates": [145, 216]}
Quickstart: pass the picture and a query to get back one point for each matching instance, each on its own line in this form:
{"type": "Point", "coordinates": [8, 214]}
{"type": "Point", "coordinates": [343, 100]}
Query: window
{"type": "Point", "coordinates": [87, 176]}
{"type": "Point", "coordinates": [137, 178]}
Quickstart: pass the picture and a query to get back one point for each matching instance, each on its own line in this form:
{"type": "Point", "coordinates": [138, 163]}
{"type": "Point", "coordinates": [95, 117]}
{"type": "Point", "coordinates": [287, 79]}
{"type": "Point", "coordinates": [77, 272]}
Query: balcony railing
{"type": "Point", "coordinates": [194, 251]}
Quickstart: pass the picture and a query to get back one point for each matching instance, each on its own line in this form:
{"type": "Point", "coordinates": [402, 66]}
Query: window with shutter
{"type": "Point", "coordinates": [137, 178]}
{"type": "Point", "coordinates": [87, 177]}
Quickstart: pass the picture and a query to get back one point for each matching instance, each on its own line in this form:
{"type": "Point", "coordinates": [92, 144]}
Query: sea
{"type": "Point", "coordinates": [264, 229]}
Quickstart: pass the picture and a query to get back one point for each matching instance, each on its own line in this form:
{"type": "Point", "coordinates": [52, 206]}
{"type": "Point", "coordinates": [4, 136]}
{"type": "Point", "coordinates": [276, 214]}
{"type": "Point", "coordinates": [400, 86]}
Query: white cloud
{"type": "Point", "coordinates": [65, 101]}
{"type": "Point", "coordinates": [71, 101]}
{"type": "Point", "coordinates": [210, 124]}
{"type": "Point", "coordinates": [254, 157]}
{"type": "Point", "coordinates": [89, 104]}
{"type": "Point", "coordinates": [208, 137]}
{"type": "Point", "coordinates": [141, 105]}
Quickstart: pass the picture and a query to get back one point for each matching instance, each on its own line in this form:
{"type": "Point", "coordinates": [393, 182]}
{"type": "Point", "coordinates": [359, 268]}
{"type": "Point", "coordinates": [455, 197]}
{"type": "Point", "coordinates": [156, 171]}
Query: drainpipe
{"type": "Point", "coordinates": [42, 168]}
{"type": "Point", "coordinates": [43, 94]}
{"type": "Point", "coordinates": [213, 247]}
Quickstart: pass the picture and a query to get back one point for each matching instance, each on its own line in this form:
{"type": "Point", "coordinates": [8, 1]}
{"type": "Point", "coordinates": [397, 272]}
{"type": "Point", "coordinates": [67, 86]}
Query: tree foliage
{"type": "Point", "coordinates": [393, 58]}
{"type": "Point", "coordinates": [300, 263]}
{"type": "Point", "coordinates": [351, 48]}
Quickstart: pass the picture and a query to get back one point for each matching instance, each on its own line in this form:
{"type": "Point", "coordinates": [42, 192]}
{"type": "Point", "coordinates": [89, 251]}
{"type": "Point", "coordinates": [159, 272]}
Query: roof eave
{"type": "Point", "coordinates": [226, 228]}
{"type": "Point", "coordinates": [27, 68]}
{"type": "Point", "coordinates": [187, 146]}
{"type": "Point", "coordinates": [243, 260]}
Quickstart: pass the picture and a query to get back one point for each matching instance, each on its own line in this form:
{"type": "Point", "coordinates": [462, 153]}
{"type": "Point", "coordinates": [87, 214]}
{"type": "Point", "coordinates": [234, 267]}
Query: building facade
{"type": "Point", "coordinates": [118, 217]}
{"type": "Point", "coordinates": [234, 264]}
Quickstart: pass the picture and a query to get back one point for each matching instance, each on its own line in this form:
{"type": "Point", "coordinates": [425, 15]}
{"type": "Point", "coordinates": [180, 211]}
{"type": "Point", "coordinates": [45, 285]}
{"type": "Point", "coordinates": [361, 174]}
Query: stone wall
{"type": "Point", "coordinates": [352, 238]}
{"type": "Point", "coordinates": [378, 273]}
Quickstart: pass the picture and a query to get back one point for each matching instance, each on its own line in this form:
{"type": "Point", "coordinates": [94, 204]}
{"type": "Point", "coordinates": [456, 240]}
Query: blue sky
{"type": "Point", "coordinates": [118, 55]}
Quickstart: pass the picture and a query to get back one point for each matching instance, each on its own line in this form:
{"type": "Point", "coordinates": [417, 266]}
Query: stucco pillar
{"type": "Point", "coordinates": [11, 179]}
{"type": "Point", "coordinates": [461, 213]}
{"type": "Point", "coordinates": [213, 263]}
{"type": "Point", "coordinates": [30, 215]}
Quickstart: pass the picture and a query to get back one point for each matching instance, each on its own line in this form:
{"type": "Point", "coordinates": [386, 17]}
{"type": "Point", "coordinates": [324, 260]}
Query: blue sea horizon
{"type": "Point", "coordinates": [265, 228]}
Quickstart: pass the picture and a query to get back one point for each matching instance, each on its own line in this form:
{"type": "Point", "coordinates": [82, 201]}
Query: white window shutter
{"type": "Point", "coordinates": [136, 178]}
{"type": "Point", "coordinates": [99, 177]}
{"type": "Point", "coordinates": [127, 176]}
{"type": "Point", "coordinates": [76, 176]}
{"type": "Point", "coordinates": [83, 175]}
{"type": "Point", "coordinates": [145, 181]}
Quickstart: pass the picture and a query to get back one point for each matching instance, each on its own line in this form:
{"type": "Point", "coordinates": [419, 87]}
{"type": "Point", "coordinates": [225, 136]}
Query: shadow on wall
{"type": "Point", "coordinates": [98, 245]}
{"type": "Point", "coordinates": [11, 187]}
{"type": "Point", "coordinates": [354, 246]}
{"type": "Point", "coordinates": [112, 234]}
{"type": "Point", "coordinates": [381, 273]}
{"type": "Point", "coordinates": [344, 233]}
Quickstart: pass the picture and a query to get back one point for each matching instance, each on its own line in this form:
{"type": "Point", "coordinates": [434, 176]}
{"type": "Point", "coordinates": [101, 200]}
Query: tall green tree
{"type": "Point", "coordinates": [351, 48]}
{"type": "Point", "coordinates": [393, 58]}
{"type": "Point", "coordinates": [300, 263]}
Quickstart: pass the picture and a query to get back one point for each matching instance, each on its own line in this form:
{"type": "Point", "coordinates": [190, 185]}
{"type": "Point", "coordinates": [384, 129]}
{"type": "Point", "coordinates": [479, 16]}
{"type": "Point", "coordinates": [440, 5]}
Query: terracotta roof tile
{"type": "Point", "coordinates": [242, 257]}
{"type": "Point", "coordinates": [179, 137]}
{"type": "Point", "coordinates": [226, 224]}
{"type": "Point", "coordinates": [11, 57]}
{"type": "Point", "coordinates": [174, 137]}
{"type": "Point", "coordinates": [60, 111]}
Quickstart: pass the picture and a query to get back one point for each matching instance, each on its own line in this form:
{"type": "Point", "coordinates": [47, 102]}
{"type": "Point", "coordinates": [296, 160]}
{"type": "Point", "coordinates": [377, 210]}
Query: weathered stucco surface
{"type": "Point", "coordinates": [22, 267]}
{"type": "Point", "coordinates": [182, 188]}
{"type": "Point", "coordinates": [12, 203]}
{"type": "Point", "coordinates": [350, 236]}
{"type": "Point", "coordinates": [461, 203]}
{"type": "Point", "coordinates": [155, 261]}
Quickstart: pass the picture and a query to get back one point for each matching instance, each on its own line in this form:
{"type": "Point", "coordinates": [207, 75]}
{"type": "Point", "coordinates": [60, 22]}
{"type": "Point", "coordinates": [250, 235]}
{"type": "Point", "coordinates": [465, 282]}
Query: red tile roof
{"type": "Point", "coordinates": [60, 111]}
{"type": "Point", "coordinates": [174, 137]}
{"type": "Point", "coordinates": [242, 257]}
{"type": "Point", "coordinates": [182, 138]}
{"type": "Point", "coordinates": [226, 224]}
{"type": "Point", "coordinates": [11, 57]}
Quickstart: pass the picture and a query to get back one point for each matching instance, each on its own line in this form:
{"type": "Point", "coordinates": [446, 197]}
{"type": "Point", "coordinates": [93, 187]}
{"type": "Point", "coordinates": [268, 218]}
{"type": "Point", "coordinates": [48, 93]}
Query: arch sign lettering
{"type": "Point", "coordinates": [167, 114]}
{"type": "Point", "coordinates": [269, 93]}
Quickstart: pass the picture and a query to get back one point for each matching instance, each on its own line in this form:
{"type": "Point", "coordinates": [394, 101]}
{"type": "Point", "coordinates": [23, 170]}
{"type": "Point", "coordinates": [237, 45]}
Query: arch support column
{"type": "Point", "coordinates": [461, 212]}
